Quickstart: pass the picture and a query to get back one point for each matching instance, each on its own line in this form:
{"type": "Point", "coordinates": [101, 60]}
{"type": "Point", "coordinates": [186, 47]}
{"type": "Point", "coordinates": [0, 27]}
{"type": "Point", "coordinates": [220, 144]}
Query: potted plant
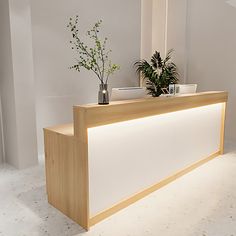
{"type": "Point", "coordinates": [158, 74]}
{"type": "Point", "coordinates": [95, 59]}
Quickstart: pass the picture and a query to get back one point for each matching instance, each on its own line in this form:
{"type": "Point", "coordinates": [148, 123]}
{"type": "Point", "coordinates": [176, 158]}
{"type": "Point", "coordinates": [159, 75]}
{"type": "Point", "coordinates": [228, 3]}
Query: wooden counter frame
{"type": "Point", "coordinates": [66, 150]}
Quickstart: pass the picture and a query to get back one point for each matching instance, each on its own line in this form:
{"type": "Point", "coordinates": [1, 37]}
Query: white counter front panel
{"type": "Point", "coordinates": [128, 157]}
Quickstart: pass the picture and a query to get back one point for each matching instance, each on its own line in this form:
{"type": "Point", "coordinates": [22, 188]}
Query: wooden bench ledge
{"type": "Point", "coordinates": [65, 129]}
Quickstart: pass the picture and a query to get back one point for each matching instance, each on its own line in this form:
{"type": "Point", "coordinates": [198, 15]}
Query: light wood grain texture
{"type": "Point", "coordinates": [103, 215]}
{"type": "Point", "coordinates": [222, 135]}
{"type": "Point", "coordinates": [81, 166]}
{"type": "Point", "coordinates": [96, 115]}
{"type": "Point", "coordinates": [66, 175]}
{"type": "Point", "coordinates": [59, 160]}
{"type": "Point", "coordinates": [66, 150]}
{"type": "Point", "coordinates": [65, 129]}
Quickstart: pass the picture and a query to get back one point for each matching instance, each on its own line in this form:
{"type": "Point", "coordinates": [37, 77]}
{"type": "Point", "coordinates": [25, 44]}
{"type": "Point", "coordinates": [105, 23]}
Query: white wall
{"type": "Point", "coordinates": [211, 51]}
{"type": "Point", "coordinates": [2, 156]}
{"type": "Point", "coordinates": [7, 86]}
{"type": "Point", "coordinates": [159, 26]}
{"type": "Point", "coordinates": [176, 34]}
{"type": "Point", "coordinates": [58, 88]}
{"type": "Point", "coordinates": [21, 39]}
{"type": "Point", "coordinates": [154, 27]}
{"type": "Point", "coordinates": [17, 84]}
{"type": "Point", "coordinates": [146, 29]}
{"type": "Point", "coordinates": [4, 59]}
{"type": "Point", "coordinates": [168, 30]}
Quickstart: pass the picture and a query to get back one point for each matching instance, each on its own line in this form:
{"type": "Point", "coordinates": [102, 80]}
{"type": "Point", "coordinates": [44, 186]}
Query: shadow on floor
{"type": "Point", "coordinates": [50, 221]}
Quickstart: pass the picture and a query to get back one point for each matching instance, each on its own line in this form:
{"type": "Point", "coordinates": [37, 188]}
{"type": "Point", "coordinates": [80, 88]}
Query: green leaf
{"type": "Point", "coordinates": [159, 73]}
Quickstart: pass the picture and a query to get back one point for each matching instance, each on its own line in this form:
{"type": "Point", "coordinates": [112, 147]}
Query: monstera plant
{"type": "Point", "coordinates": [159, 73]}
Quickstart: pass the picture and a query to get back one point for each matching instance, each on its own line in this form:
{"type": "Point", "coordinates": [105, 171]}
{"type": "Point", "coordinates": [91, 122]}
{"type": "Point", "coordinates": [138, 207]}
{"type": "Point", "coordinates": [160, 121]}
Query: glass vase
{"type": "Point", "coordinates": [103, 94]}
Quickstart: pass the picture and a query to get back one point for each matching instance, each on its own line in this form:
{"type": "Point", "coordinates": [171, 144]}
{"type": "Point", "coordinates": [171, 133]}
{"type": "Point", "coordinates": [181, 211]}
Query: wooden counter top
{"type": "Point", "coordinates": [96, 115]}
{"type": "Point", "coordinates": [151, 99]}
{"type": "Point", "coordinates": [132, 109]}
{"type": "Point", "coordinates": [64, 129]}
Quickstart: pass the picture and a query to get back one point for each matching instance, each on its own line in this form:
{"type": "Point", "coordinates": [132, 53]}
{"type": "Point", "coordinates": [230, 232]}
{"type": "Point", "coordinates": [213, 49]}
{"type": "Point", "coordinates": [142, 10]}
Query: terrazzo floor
{"type": "Point", "coordinates": [202, 203]}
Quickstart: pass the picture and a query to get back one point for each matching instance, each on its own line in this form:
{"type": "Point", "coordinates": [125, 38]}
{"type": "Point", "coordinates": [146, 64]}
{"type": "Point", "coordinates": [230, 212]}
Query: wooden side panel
{"type": "Point", "coordinates": [222, 136]}
{"type": "Point", "coordinates": [64, 177]}
{"type": "Point", "coordinates": [81, 164]}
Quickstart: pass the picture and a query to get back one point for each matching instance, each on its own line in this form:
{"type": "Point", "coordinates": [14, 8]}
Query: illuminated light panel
{"type": "Point", "coordinates": [128, 157]}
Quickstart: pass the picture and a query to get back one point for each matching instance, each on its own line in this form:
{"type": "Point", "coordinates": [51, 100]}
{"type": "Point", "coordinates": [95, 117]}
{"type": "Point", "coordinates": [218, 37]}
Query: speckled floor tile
{"type": "Point", "coordinates": [202, 203]}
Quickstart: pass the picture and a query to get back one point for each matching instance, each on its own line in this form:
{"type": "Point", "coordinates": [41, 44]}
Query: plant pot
{"type": "Point", "coordinates": [103, 95]}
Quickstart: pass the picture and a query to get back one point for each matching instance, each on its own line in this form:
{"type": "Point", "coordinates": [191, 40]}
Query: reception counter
{"type": "Point", "coordinates": [113, 155]}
